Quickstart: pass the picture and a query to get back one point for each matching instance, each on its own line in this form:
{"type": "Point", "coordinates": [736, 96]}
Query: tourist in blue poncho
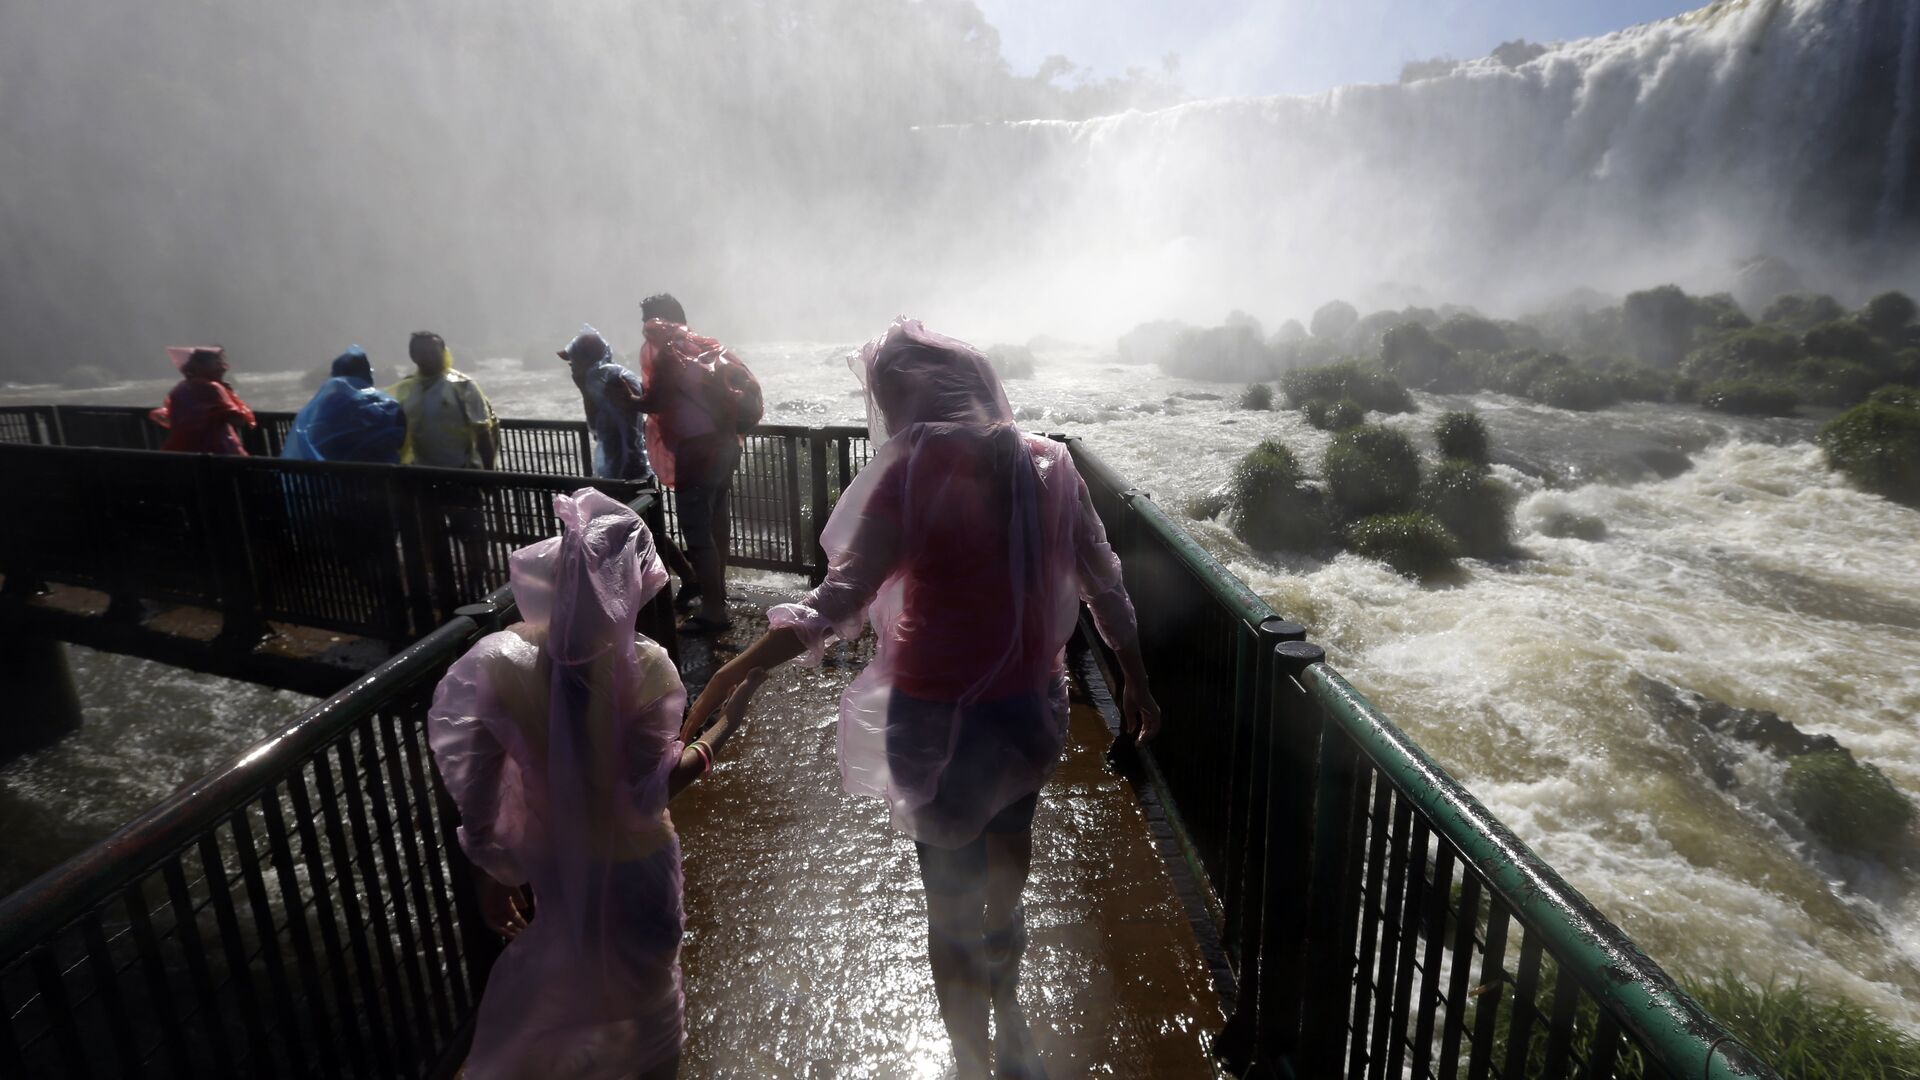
{"type": "Point", "coordinates": [348, 420]}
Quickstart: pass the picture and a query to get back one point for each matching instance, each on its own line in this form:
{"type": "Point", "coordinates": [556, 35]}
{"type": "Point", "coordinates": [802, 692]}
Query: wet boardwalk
{"type": "Point", "coordinates": [805, 954]}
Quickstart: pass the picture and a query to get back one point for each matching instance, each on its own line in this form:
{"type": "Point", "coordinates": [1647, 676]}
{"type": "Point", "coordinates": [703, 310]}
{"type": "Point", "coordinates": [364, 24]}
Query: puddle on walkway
{"type": "Point", "coordinates": [805, 954]}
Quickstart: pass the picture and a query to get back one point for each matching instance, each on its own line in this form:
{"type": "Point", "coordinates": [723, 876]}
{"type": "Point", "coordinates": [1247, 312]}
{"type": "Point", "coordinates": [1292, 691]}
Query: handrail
{"type": "Point", "coordinates": [46, 904]}
{"type": "Point", "coordinates": [1685, 1038]}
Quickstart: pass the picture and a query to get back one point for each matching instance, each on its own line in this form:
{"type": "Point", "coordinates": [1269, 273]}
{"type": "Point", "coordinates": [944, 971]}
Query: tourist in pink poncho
{"type": "Point", "coordinates": [558, 738]}
{"type": "Point", "coordinates": [970, 545]}
{"type": "Point", "coordinates": [201, 410]}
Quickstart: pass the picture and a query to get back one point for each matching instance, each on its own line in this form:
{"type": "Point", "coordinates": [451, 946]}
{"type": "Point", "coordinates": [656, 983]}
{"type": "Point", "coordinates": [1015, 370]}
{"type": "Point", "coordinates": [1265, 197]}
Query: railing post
{"type": "Point", "coordinates": [223, 507]}
{"type": "Point", "coordinates": [585, 443]}
{"type": "Point", "coordinates": [1293, 744]}
{"type": "Point", "coordinates": [1258, 712]}
{"type": "Point", "coordinates": [817, 491]}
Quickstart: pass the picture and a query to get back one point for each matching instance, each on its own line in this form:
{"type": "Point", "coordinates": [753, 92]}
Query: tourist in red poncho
{"type": "Point", "coordinates": [693, 448]}
{"type": "Point", "coordinates": [969, 545]}
{"type": "Point", "coordinates": [201, 411]}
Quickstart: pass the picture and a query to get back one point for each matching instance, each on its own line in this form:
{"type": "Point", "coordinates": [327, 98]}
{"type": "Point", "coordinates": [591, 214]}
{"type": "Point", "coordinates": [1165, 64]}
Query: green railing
{"type": "Point", "coordinates": [297, 912]}
{"type": "Point", "coordinates": [1380, 922]}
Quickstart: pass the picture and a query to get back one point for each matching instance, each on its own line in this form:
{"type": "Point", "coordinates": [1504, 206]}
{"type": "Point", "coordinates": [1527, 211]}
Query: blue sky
{"type": "Point", "coordinates": [1293, 46]}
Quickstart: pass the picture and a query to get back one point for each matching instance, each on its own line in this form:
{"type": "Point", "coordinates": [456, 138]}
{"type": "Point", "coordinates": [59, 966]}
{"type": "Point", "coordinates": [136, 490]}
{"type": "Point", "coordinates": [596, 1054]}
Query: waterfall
{"type": "Point", "coordinates": [1665, 152]}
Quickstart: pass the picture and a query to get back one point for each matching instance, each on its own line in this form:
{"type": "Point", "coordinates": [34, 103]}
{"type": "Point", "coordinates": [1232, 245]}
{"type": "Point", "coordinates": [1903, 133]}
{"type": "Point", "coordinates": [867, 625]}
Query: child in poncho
{"type": "Point", "coordinates": [558, 739]}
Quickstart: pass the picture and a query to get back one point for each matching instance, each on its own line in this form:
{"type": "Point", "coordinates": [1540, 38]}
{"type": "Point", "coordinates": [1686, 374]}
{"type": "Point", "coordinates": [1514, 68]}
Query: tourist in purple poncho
{"type": "Point", "coordinates": [970, 545]}
{"type": "Point", "coordinates": [558, 739]}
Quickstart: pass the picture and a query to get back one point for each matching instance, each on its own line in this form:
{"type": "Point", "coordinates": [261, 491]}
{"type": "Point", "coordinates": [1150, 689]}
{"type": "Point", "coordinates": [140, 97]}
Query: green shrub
{"type": "Point", "coordinates": [1842, 339]}
{"type": "Point", "coordinates": [1370, 389]}
{"type": "Point", "coordinates": [1414, 544]}
{"type": "Point", "coordinates": [1462, 436]}
{"type": "Point", "coordinates": [1471, 333]}
{"type": "Point", "coordinates": [1257, 396]}
{"type": "Point", "coordinates": [1877, 443]}
{"type": "Point", "coordinates": [1742, 398]}
{"type": "Point", "coordinates": [1889, 313]}
{"type": "Point", "coordinates": [1335, 416]}
{"type": "Point", "coordinates": [1575, 388]}
{"type": "Point", "coordinates": [1824, 380]}
{"type": "Point", "coordinates": [1471, 505]}
{"type": "Point", "coordinates": [1371, 470]}
{"type": "Point", "coordinates": [1801, 1033]}
{"type": "Point", "coordinates": [1333, 320]}
{"type": "Point", "coordinates": [1763, 352]}
{"type": "Point", "coordinates": [1800, 312]}
{"type": "Point", "coordinates": [1410, 353]}
{"type": "Point", "coordinates": [1659, 324]}
{"type": "Point", "coordinates": [1638, 382]}
{"type": "Point", "coordinates": [1805, 1035]}
{"type": "Point", "coordinates": [1851, 806]}
{"type": "Point", "coordinates": [1274, 509]}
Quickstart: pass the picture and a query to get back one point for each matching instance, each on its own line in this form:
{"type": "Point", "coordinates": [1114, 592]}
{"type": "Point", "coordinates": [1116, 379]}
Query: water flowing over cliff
{"type": "Point", "coordinates": [1669, 151]}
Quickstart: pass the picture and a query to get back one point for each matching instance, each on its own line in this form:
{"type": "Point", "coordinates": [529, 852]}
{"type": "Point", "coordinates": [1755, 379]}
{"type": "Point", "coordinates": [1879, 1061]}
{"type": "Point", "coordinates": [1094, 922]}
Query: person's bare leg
{"type": "Point", "coordinates": [960, 976]}
{"type": "Point", "coordinates": [1009, 857]}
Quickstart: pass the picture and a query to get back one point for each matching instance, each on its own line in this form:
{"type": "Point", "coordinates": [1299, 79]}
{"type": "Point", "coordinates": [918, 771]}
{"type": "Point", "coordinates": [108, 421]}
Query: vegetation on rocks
{"type": "Point", "coordinates": [1474, 508]}
{"type": "Point", "coordinates": [1371, 470]}
{"type": "Point", "coordinates": [1335, 416]}
{"type": "Point", "coordinates": [1747, 398]}
{"type": "Point", "coordinates": [1850, 805]}
{"type": "Point", "coordinates": [1257, 396]}
{"type": "Point", "coordinates": [1877, 444]}
{"type": "Point", "coordinates": [1347, 380]}
{"type": "Point", "coordinates": [1414, 543]}
{"type": "Point", "coordinates": [1274, 509]}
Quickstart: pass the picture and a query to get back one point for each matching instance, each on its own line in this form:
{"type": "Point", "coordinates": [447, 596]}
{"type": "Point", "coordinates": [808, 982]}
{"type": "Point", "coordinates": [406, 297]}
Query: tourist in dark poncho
{"type": "Point", "coordinates": [202, 409]}
{"type": "Point", "coordinates": [970, 545]}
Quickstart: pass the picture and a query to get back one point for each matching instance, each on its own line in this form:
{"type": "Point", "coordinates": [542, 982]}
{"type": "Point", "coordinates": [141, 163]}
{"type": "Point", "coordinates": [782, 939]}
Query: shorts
{"type": "Point", "coordinates": [990, 733]}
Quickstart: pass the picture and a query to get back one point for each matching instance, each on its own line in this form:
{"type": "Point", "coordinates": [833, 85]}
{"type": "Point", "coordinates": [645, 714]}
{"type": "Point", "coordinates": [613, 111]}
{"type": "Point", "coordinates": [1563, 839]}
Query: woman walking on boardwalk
{"type": "Point", "coordinates": [558, 739]}
{"type": "Point", "coordinates": [970, 544]}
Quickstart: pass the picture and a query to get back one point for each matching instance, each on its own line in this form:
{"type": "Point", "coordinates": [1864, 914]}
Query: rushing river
{"type": "Point", "coordinates": [1734, 564]}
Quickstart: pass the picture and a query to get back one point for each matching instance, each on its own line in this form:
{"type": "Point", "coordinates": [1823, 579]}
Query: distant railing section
{"type": "Point", "coordinates": [1380, 921]}
{"type": "Point", "coordinates": [376, 550]}
{"type": "Point", "coordinates": [298, 912]}
{"type": "Point", "coordinates": [788, 479]}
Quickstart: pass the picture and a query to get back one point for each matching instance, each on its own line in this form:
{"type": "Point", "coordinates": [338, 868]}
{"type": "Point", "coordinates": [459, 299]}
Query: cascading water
{"type": "Point", "coordinates": [1665, 152]}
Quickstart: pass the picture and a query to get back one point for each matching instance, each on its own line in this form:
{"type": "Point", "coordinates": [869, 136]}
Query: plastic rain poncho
{"type": "Point", "coordinates": [201, 409]}
{"type": "Point", "coordinates": [556, 738]}
{"type": "Point", "coordinates": [348, 420]}
{"type": "Point", "coordinates": [619, 433]}
{"type": "Point", "coordinates": [676, 365]}
{"type": "Point", "coordinates": [969, 543]}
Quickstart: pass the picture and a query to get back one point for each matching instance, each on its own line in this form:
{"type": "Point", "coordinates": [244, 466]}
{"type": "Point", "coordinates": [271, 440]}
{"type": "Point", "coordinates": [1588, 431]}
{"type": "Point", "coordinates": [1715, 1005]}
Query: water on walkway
{"type": "Point", "coordinates": [805, 953]}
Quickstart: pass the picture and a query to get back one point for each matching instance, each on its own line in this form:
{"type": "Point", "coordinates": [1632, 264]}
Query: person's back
{"type": "Point", "coordinates": [347, 419]}
{"type": "Point", "coordinates": [201, 410]}
{"type": "Point", "coordinates": [610, 395]}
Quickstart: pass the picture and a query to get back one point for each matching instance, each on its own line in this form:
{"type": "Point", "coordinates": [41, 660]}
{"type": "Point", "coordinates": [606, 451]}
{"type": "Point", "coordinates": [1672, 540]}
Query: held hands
{"type": "Point", "coordinates": [734, 713]}
{"type": "Point", "coordinates": [501, 906]}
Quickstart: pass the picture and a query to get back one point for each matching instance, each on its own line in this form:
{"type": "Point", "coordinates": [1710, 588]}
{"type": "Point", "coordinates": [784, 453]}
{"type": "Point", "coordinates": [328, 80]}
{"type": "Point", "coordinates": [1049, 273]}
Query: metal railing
{"type": "Point", "coordinates": [787, 481]}
{"type": "Point", "coordinates": [1379, 920]}
{"type": "Point", "coordinates": [299, 911]}
{"type": "Point", "coordinates": [378, 550]}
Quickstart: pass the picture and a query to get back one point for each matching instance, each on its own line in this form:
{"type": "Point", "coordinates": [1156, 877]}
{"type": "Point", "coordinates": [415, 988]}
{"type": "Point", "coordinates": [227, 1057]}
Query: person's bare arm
{"type": "Point", "coordinates": [775, 647]}
{"type": "Point", "coordinates": [732, 719]}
